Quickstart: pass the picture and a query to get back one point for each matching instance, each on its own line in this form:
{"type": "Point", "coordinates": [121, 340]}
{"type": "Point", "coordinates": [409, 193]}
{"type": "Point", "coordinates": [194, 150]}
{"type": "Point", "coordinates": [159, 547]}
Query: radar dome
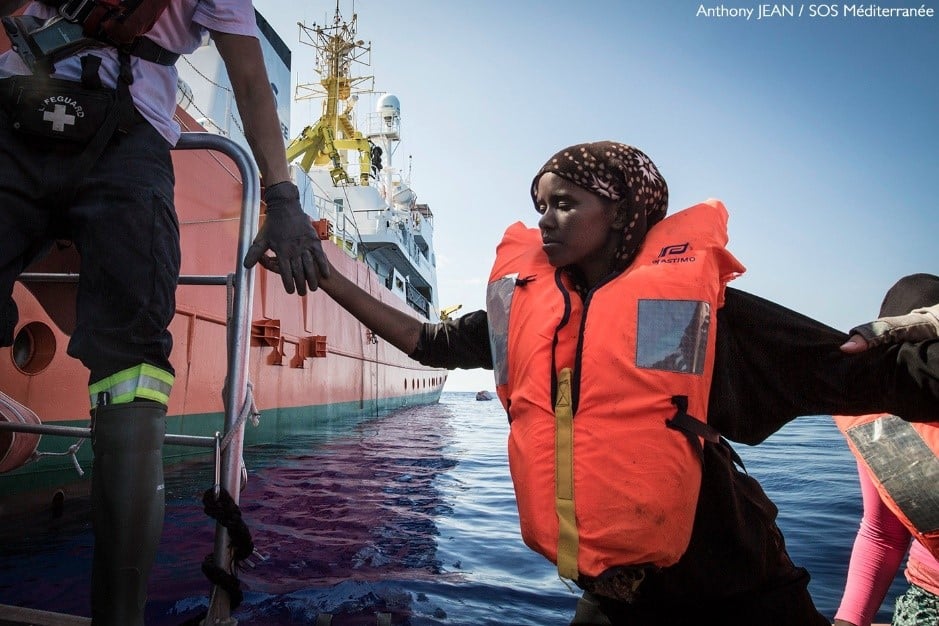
{"type": "Point", "coordinates": [388, 107]}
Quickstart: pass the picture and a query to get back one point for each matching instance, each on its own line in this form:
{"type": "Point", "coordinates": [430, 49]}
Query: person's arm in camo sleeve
{"type": "Point", "coordinates": [917, 325]}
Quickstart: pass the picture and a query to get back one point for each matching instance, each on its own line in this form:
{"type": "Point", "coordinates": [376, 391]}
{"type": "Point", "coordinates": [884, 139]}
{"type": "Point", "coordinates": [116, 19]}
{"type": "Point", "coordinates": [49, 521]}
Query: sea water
{"type": "Point", "coordinates": [410, 514]}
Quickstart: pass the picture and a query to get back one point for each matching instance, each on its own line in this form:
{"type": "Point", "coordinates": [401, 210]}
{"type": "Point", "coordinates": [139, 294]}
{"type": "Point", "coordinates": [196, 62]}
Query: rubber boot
{"type": "Point", "coordinates": [127, 504]}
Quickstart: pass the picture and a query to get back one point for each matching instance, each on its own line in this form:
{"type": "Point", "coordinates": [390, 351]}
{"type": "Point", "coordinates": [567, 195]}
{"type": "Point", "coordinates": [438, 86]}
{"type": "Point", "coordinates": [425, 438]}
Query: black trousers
{"type": "Point", "coordinates": [788, 604]}
{"type": "Point", "coordinates": [120, 218]}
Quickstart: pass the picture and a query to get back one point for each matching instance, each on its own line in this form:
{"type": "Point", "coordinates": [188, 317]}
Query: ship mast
{"type": "Point", "coordinates": [337, 50]}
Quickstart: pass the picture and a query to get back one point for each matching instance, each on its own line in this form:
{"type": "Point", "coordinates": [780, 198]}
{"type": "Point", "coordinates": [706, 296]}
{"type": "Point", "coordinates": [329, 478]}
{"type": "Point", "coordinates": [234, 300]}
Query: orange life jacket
{"type": "Point", "coordinates": [600, 480]}
{"type": "Point", "coordinates": [902, 458]}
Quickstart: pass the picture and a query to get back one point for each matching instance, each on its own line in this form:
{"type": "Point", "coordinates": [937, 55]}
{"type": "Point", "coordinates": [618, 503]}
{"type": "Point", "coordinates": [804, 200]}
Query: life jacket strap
{"type": "Point", "coordinates": [568, 537]}
{"type": "Point", "coordinates": [693, 428]}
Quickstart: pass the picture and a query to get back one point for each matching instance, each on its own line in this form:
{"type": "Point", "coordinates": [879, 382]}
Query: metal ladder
{"type": "Point", "coordinates": [227, 458]}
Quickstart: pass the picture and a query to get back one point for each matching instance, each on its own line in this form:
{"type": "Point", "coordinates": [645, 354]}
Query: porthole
{"type": "Point", "coordinates": [33, 348]}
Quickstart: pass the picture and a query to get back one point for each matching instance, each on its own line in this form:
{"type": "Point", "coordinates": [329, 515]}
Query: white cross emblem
{"type": "Point", "coordinates": [59, 118]}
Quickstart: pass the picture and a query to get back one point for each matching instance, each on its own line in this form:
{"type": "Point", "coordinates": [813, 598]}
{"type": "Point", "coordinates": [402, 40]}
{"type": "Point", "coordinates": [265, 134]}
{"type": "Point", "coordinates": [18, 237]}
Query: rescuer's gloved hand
{"type": "Point", "coordinates": [917, 325]}
{"type": "Point", "coordinates": [288, 233]}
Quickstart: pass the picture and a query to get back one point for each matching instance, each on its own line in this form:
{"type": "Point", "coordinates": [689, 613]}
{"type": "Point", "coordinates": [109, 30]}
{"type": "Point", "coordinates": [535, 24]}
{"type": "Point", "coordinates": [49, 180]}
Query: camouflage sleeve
{"type": "Point", "coordinates": [917, 325]}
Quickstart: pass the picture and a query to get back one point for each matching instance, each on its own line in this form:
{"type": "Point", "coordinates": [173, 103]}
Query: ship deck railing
{"type": "Point", "coordinates": [359, 232]}
{"type": "Point", "coordinates": [228, 455]}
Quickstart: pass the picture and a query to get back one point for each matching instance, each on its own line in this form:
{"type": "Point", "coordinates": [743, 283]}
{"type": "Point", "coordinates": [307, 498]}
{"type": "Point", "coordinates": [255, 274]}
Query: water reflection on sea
{"type": "Point", "coordinates": [410, 514]}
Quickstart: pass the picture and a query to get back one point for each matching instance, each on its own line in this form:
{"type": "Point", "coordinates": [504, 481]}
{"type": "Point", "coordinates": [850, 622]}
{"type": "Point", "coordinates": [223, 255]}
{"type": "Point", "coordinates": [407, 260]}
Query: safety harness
{"type": "Point", "coordinates": [81, 112]}
{"type": "Point", "coordinates": [81, 24]}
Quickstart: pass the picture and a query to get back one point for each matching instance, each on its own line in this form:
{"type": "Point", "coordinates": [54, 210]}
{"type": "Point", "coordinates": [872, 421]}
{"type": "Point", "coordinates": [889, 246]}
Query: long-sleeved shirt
{"type": "Point", "coordinates": [772, 365]}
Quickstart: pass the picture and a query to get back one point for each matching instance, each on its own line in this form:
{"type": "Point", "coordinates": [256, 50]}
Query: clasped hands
{"type": "Point", "coordinates": [288, 233]}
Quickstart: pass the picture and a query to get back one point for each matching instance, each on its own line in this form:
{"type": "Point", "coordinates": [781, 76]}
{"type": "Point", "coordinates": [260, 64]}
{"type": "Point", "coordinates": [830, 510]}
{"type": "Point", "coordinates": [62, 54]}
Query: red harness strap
{"type": "Point", "coordinates": [122, 22]}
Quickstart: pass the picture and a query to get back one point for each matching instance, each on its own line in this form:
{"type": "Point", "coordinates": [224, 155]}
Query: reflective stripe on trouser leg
{"type": "Point", "coordinates": [142, 381]}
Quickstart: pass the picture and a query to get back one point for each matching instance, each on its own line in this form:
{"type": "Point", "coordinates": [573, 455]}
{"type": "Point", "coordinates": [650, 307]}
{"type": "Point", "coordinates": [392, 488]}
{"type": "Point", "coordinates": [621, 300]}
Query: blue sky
{"type": "Point", "coordinates": [819, 134]}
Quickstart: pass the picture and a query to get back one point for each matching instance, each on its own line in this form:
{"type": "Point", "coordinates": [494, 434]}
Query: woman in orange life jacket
{"type": "Point", "coordinates": [598, 203]}
{"type": "Point", "coordinates": [897, 471]}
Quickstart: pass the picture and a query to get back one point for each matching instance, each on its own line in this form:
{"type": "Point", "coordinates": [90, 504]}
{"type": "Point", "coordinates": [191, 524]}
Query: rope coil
{"type": "Point", "coordinates": [225, 511]}
{"type": "Point", "coordinates": [221, 506]}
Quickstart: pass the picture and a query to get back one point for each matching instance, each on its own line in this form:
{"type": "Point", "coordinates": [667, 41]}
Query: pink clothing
{"type": "Point", "coordinates": [879, 548]}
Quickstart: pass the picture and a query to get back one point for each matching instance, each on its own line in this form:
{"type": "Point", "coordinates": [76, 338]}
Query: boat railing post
{"type": "Point", "coordinates": [239, 335]}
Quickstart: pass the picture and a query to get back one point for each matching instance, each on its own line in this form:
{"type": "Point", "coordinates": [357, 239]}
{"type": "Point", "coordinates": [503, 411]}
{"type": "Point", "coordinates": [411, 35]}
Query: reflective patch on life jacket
{"type": "Point", "coordinates": [902, 462]}
{"type": "Point", "coordinates": [672, 335]}
{"type": "Point", "coordinates": [498, 305]}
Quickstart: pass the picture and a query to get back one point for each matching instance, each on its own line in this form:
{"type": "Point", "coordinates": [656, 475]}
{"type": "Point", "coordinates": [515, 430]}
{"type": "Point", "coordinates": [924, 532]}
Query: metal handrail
{"type": "Point", "coordinates": [239, 337]}
{"type": "Point", "coordinates": [198, 441]}
{"type": "Point", "coordinates": [72, 277]}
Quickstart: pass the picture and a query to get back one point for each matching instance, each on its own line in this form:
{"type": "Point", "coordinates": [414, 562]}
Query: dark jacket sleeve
{"type": "Point", "coordinates": [773, 364]}
{"type": "Point", "coordinates": [459, 343]}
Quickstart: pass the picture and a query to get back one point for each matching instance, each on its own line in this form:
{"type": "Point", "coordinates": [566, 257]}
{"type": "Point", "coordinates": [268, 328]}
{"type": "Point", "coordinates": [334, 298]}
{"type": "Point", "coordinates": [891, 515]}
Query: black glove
{"type": "Point", "coordinates": [287, 232]}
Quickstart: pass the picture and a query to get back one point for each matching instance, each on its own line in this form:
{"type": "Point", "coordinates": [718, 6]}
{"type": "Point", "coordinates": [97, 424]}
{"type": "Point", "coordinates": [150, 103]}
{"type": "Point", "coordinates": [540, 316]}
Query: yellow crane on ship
{"type": "Point", "coordinates": [320, 143]}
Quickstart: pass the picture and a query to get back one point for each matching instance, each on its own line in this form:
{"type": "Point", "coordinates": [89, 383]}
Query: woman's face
{"type": "Point", "coordinates": [578, 227]}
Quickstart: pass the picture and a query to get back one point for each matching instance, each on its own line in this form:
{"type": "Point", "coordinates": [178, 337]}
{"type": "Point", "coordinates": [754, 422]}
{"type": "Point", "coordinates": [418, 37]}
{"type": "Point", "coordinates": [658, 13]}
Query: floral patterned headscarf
{"type": "Point", "coordinates": [620, 173]}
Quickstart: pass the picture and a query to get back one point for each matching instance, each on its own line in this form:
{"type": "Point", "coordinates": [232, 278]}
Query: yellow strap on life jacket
{"type": "Point", "coordinates": [568, 539]}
